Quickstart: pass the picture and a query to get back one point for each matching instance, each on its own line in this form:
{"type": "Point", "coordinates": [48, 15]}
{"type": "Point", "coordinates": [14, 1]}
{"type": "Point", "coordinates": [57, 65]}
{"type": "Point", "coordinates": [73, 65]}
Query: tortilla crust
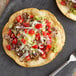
{"type": "Point", "coordinates": [51, 55]}
{"type": "Point", "coordinates": [64, 10]}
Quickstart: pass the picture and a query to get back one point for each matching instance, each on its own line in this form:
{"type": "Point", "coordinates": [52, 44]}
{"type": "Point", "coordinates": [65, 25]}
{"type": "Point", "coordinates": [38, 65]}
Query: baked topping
{"type": "Point", "coordinates": [71, 4]}
{"type": "Point", "coordinates": [31, 37]}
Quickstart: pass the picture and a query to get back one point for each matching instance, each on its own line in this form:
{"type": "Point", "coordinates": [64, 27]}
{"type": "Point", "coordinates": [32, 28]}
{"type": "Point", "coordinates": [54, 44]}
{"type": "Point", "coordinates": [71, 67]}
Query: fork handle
{"type": "Point", "coordinates": [59, 69]}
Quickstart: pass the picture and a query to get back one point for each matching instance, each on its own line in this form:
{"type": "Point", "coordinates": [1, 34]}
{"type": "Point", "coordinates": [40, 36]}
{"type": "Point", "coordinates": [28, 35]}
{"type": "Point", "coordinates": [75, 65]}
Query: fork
{"type": "Point", "coordinates": [71, 59]}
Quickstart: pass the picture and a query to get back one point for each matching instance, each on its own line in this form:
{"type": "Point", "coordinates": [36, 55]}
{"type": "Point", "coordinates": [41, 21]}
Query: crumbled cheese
{"type": "Point", "coordinates": [74, 1]}
{"type": "Point", "coordinates": [40, 51]}
{"type": "Point", "coordinates": [34, 23]}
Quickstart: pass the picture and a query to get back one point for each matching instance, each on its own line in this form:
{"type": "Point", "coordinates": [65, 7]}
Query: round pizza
{"type": "Point", "coordinates": [33, 37]}
{"type": "Point", "coordinates": [68, 8]}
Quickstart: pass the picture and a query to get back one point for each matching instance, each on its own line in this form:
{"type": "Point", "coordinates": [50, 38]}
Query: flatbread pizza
{"type": "Point", "coordinates": [33, 37]}
{"type": "Point", "coordinates": [68, 8]}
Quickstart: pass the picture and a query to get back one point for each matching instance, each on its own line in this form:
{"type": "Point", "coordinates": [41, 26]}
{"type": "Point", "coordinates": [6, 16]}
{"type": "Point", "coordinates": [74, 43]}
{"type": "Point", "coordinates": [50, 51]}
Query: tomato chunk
{"type": "Point", "coordinates": [63, 3]}
{"type": "Point", "coordinates": [41, 47]}
{"type": "Point", "coordinates": [44, 33]}
{"type": "Point", "coordinates": [25, 30]}
{"type": "Point", "coordinates": [18, 18]}
{"type": "Point", "coordinates": [23, 41]}
{"type": "Point", "coordinates": [49, 46]}
{"type": "Point", "coordinates": [74, 6]}
{"type": "Point", "coordinates": [13, 35]}
{"type": "Point", "coordinates": [43, 56]}
{"type": "Point", "coordinates": [47, 50]}
{"type": "Point", "coordinates": [38, 26]}
{"type": "Point", "coordinates": [8, 47]}
{"type": "Point", "coordinates": [37, 36]}
{"type": "Point", "coordinates": [31, 32]}
{"type": "Point", "coordinates": [28, 58]}
{"type": "Point", "coordinates": [26, 24]}
{"type": "Point", "coordinates": [9, 32]}
{"type": "Point", "coordinates": [35, 46]}
{"type": "Point", "coordinates": [14, 41]}
{"type": "Point", "coordinates": [31, 16]}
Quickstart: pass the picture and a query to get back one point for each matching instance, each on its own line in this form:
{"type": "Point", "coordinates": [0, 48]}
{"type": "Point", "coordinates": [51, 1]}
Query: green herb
{"type": "Point", "coordinates": [37, 18]}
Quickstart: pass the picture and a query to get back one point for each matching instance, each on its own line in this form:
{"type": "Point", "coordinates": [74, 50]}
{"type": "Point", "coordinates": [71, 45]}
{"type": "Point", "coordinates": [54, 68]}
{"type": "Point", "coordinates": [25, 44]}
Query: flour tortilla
{"type": "Point", "coordinates": [64, 10]}
{"type": "Point", "coordinates": [51, 55]}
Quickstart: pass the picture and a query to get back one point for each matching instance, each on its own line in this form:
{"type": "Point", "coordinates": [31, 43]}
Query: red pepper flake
{"type": "Point", "coordinates": [28, 58]}
{"type": "Point", "coordinates": [38, 26]}
{"type": "Point", "coordinates": [26, 24]}
{"type": "Point", "coordinates": [37, 36]}
{"type": "Point", "coordinates": [9, 32]}
{"type": "Point", "coordinates": [14, 41]}
{"type": "Point", "coordinates": [8, 47]}
{"type": "Point", "coordinates": [25, 30]}
{"type": "Point", "coordinates": [49, 35]}
{"type": "Point", "coordinates": [23, 41]}
{"type": "Point", "coordinates": [31, 16]}
{"type": "Point", "coordinates": [35, 46]}
{"type": "Point", "coordinates": [18, 18]}
{"type": "Point", "coordinates": [43, 56]}
{"type": "Point", "coordinates": [63, 3]}
{"type": "Point", "coordinates": [31, 32]}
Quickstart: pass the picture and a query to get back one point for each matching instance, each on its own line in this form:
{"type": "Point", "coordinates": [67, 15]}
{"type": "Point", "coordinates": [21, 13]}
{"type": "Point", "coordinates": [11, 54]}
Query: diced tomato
{"type": "Point", "coordinates": [49, 30]}
{"type": "Point", "coordinates": [48, 24]}
{"type": "Point", "coordinates": [8, 47]}
{"type": "Point", "coordinates": [41, 47]}
{"type": "Point", "coordinates": [43, 56]}
{"type": "Point", "coordinates": [23, 41]}
{"type": "Point", "coordinates": [31, 16]}
{"type": "Point", "coordinates": [25, 30]}
{"type": "Point", "coordinates": [37, 36]}
{"type": "Point", "coordinates": [18, 34]}
{"type": "Point", "coordinates": [21, 20]}
{"type": "Point", "coordinates": [35, 46]}
{"type": "Point", "coordinates": [74, 6]}
{"type": "Point", "coordinates": [47, 21]}
{"type": "Point", "coordinates": [14, 41]}
{"type": "Point", "coordinates": [31, 32]}
{"type": "Point", "coordinates": [49, 46]}
{"type": "Point", "coordinates": [63, 3]}
{"type": "Point", "coordinates": [9, 32]}
{"type": "Point", "coordinates": [28, 58]}
{"type": "Point", "coordinates": [26, 24]}
{"type": "Point", "coordinates": [18, 18]}
{"type": "Point", "coordinates": [38, 26]}
{"type": "Point", "coordinates": [44, 33]}
{"type": "Point", "coordinates": [49, 35]}
{"type": "Point", "coordinates": [13, 35]}
{"type": "Point", "coordinates": [47, 50]}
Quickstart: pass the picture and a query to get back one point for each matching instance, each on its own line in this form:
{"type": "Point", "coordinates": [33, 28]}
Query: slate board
{"type": "Point", "coordinates": [9, 68]}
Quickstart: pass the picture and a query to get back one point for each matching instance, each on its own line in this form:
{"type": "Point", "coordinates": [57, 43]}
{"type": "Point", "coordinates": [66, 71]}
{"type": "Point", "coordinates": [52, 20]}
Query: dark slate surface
{"type": "Point", "coordinates": [9, 68]}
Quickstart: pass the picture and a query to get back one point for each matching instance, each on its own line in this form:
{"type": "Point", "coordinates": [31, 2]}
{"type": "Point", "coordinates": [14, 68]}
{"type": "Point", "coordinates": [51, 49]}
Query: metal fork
{"type": "Point", "coordinates": [71, 59]}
